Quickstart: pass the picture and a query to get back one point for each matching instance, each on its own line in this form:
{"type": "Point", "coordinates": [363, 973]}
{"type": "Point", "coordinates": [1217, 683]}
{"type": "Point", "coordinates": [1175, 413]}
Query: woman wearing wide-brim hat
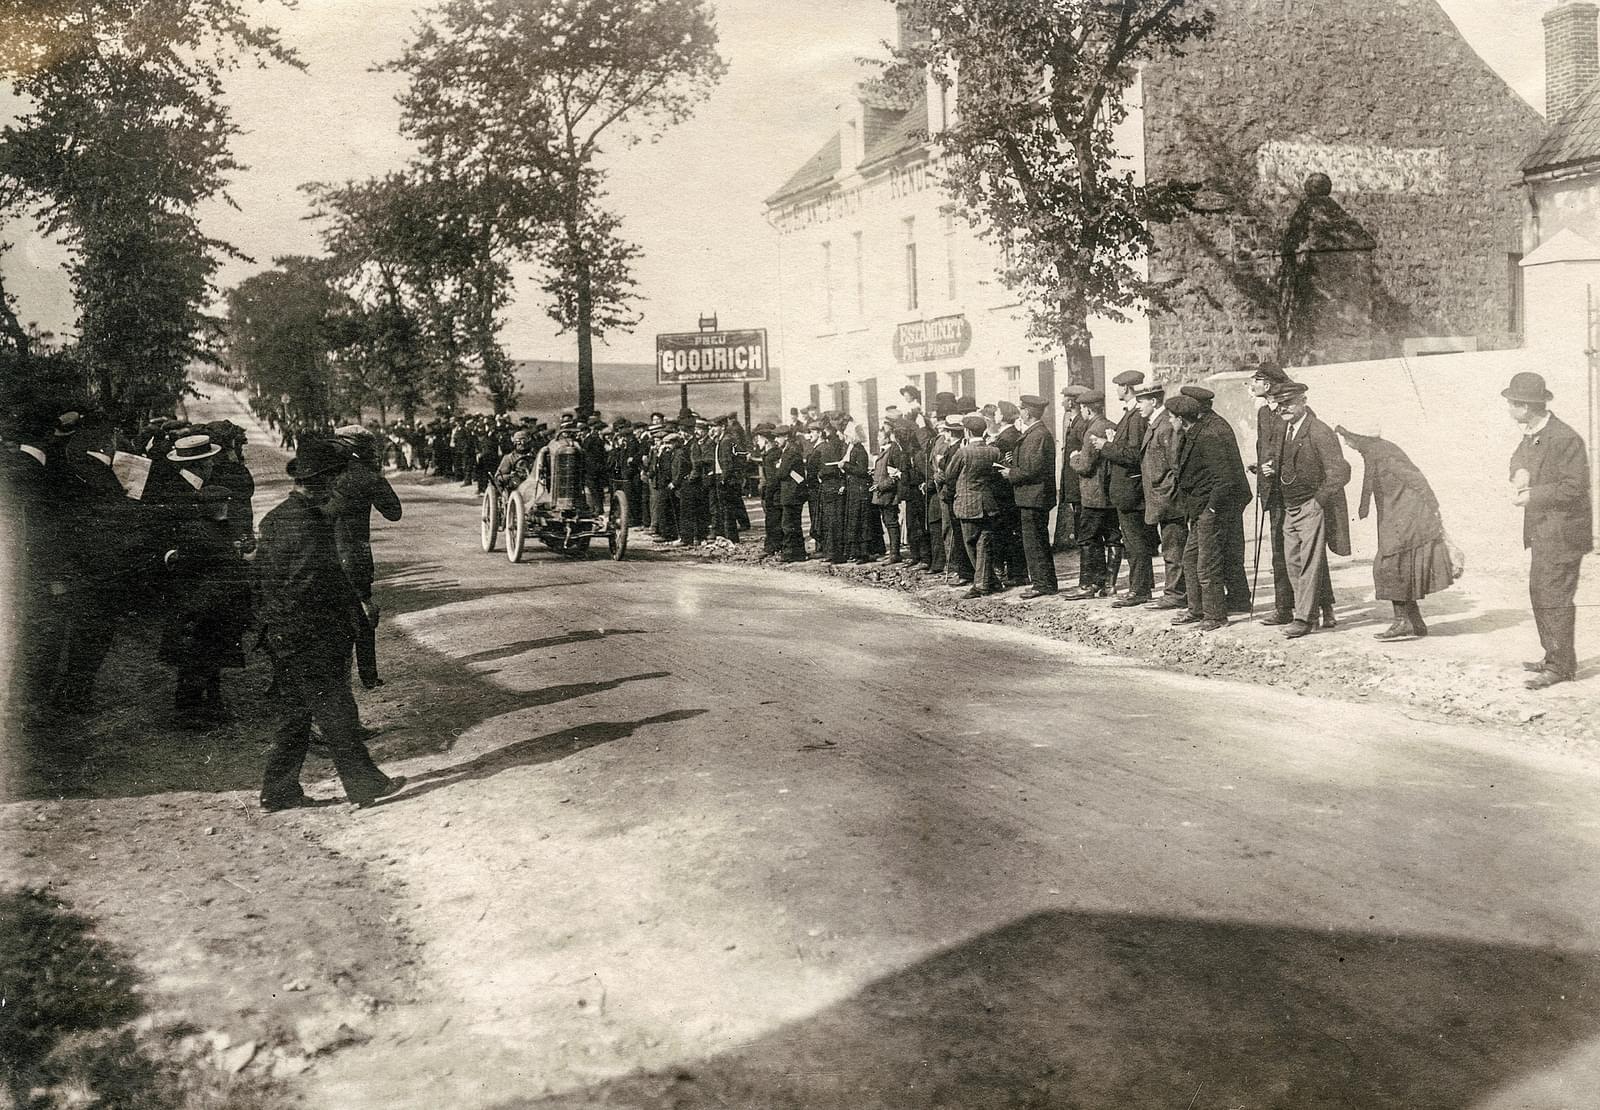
{"type": "Point", "coordinates": [1413, 559]}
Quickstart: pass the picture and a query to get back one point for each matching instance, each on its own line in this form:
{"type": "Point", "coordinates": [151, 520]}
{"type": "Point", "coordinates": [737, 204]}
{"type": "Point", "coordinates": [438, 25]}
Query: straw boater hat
{"type": "Point", "coordinates": [192, 449]}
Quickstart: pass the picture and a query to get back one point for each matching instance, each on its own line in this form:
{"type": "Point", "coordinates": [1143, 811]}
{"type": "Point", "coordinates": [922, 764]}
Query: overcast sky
{"type": "Point", "coordinates": [694, 200]}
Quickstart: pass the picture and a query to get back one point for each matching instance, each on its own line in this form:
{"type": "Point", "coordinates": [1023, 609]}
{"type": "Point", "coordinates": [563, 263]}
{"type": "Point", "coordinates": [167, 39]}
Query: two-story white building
{"type": "Point", "coordinates": [884, 284]}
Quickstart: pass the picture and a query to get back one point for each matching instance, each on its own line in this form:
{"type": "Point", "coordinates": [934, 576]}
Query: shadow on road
{"type": "Point", "coordinates": [1108, 1012]}
{"type": "Point", "coordinates": [506, 651]}
{"type": "Point", "coordinates": [535, 750]}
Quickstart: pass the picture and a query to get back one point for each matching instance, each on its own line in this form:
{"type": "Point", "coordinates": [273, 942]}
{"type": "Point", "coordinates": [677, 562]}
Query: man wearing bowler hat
{"type": "Point", "coordinates": [310, 614]}
{"type": "Point", "coordinates": [1550, 481]}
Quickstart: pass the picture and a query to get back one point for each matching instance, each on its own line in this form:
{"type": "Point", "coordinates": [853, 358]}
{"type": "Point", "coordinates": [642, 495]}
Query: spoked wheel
{"type": "Point", "coordinates": [620, 523]}
{"type": "Point", "coordinates": [489, 522]}
{"type": "Point", "coordinates": [516, 529]}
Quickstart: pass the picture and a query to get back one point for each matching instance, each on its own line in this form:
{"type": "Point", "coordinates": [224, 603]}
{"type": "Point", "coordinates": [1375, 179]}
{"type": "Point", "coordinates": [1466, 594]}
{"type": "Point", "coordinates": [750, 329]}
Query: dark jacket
{"type": "Point", "coordinates": [304, 597]}
{"type": "Point", "coordinates": [356, 492]}
{"type": "Point", "coordinates": [1408, 511]}
{"type": "Point", "coordinates": [1071, 440]}
{"type": "Point", "coordinates": [1032, 477]}
{"type": "Point", "coordinates": [970, 469]}
{"type": "Point", "coordinates": [1269, 445]}
{"type": "Point", "coordinates": [1093, 471]}
{"type": "Point", "coordinates": [791, 462]}
{"type": "Point", "coordinates": [1159, 468]}
{"type": "Point", "coordinates": [890, 489]}
{"type": "Point", "coordinates": [1558, 516]}
{"type": "Point", "coordinates": [1211, 474]}
{"type": "Point", "coordinates": [1124, 454]}
{"type": "Point", "coordinates": [1311, 466]}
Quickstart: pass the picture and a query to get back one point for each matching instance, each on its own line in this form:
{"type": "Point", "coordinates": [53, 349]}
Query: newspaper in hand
{"type": "Point", "coordinates": [133, 471]}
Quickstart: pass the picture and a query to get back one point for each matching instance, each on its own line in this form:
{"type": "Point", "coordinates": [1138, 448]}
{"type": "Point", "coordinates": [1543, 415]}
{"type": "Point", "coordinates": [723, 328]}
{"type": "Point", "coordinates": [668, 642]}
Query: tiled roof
{"type": "Point", "coordinates": [1574, 140]}
{"type": "Point", "coordinates": [819, 168]}
{"type": "Point", "coordinates": [889, 135]}
{"type": "Point", "coordinates": [904, 135]}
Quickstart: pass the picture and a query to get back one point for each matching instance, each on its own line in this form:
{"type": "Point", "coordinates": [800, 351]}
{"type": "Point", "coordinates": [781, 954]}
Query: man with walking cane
{"type": "Point", "coordinates": [359, 489]}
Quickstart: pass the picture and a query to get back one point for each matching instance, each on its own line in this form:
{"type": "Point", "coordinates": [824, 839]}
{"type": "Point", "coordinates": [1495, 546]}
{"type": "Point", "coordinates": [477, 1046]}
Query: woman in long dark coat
{"type": "Point", "coordinates": [1412, 560]}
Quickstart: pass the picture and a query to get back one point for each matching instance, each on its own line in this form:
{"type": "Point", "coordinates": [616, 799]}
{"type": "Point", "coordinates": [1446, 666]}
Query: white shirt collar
{"type": "Point", "coordinates": [1535, 428]}
{"type": "Point", "coordinates": [32, 452]}
{"type": "Point", "coordinates": [1297, 423]}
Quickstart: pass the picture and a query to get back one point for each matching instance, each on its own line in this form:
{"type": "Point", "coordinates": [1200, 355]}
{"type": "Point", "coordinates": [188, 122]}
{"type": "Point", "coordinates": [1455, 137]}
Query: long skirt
{"type": "Point", "coordinates": [1413, 574]}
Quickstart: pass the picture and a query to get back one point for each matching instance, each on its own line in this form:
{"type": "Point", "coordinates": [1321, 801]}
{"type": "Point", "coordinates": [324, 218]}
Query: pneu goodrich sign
{"type": "Point", "coordinates": [688, 358]}
{"type": "Point", "coordinates": [928, 340]}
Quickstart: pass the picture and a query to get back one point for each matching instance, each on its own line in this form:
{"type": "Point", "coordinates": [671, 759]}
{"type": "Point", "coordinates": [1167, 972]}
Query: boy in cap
{"type": "Point", "coordinates": [1550, 482]}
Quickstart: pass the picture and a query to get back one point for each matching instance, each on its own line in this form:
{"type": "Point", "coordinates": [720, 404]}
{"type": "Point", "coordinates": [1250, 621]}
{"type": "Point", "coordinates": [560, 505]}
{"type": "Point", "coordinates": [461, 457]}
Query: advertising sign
{"type": "Point", "coordinates": [927, 340]}
{"type": "Point", "coordinates": [697, 357]}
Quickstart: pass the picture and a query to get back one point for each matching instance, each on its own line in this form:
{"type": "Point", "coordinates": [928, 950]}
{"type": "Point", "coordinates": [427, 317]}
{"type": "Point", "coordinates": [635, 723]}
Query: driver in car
{"type": "Point", "coordinates": [515, 464]}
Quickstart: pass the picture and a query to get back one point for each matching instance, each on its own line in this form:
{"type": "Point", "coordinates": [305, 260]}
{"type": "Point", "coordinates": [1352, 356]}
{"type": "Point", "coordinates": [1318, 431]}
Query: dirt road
{"type": "Point", "coordinates": [684, 835]}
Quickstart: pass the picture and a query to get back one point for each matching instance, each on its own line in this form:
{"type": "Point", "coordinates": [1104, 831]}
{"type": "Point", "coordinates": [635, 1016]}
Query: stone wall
{"type": "Point", "coordinates": [1422, 140]}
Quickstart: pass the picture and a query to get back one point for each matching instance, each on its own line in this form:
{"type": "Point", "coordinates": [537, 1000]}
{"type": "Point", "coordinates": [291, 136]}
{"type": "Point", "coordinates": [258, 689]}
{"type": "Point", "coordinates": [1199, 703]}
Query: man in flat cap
{"type": "Point", "coordinates": [1237, 582]}
{"type": "Point", "coordinates": [973, 470]}
{"type": "Point", "coordinates": [1033, 482]}
{"type": "Point", "coordinates": [1158, 471]}
{"type": "Point", "coordinates": [1123, 450]}
{"type": "Point", "coordinates": [1550, 482]}
{"type": "Point", "coordinates": [359, 489]}
{"type": "Point", "coordinates": [1066, 533]}
{"type": "Point", "coordinates": [1212, 490]}
{"type": "Point", "coordinates": [1311, 475]}
{"type": "Point", "coordinates": [309, 615]}
{"type": "Point", "coordinates": [1096, 518]}
{"type": "Point", "coordinates": [957, 560]}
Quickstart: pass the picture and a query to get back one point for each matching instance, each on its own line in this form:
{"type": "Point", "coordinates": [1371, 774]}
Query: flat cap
{"type": "Point", "coordinates": [1074, 391]}
{"type": "Point", "coordinates": [1091, 397]}
{"type": "Point", "coordinates": [1270, 373]}
{"type": "Point", "coordinates": [1184, 406]}
{"type": "Point", "coordinates": [1287, 389]}
{"type": "Point", "coordinates": [1198, 392]}
{"type": "Point", "coordinates": [784, 430]}
{"type": "Point", "coordinates": [1031, 401]}
{"type": "Point", "coordinates": [1128, 377]}
{"type": "Point", "coordinates": [975, 424]}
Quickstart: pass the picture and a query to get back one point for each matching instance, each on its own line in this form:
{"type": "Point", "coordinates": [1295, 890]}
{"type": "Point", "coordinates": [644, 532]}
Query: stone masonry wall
{"type": "Point", "coordinates": [1422, 140]}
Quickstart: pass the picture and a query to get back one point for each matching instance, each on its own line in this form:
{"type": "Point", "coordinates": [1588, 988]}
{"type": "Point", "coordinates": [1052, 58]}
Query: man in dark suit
{"type": "Point", "coordinates": [766, 452]}
{"type": "Point", "coordinates": [1550, 481]}
{"type": "Point", "coordinates": [1212, 489]}
{"type": "Point", "coordinates": [792, 480]}
{"type": "Point", "coordinates": [1072, 429]}
{"type": "Point", "coordinates": [1123, 451]}
{"type": "Point", "coordinates": [1033, 482]}
{"type": "Point", "coordinates": [972, 471]}
{"type": "Point", "coordinates": [359, 489]}
{"type": "Point", "coordinates": [1158, 470]}
{"type": "Point", "coordinates": [1311, 475]}
{"type": "Point", "coordinates": [1096, 517]}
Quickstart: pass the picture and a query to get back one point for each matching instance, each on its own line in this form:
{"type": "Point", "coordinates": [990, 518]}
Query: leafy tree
{"type": "Point", "coordinates": [125, 135]}
{"type": "Point", "coordinates": [517, 96]}
{"type": "Point", "coordinates": [1030, 159]}
{"type": "Point", "coordinates": [284, 327]}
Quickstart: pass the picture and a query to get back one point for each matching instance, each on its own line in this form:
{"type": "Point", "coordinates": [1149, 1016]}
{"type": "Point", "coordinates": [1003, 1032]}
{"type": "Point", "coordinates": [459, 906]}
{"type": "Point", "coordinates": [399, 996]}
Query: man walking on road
{"type": "Point", "coordinates": [1550, 481]}
{"type": "Point", "coordinates": [309, 615]}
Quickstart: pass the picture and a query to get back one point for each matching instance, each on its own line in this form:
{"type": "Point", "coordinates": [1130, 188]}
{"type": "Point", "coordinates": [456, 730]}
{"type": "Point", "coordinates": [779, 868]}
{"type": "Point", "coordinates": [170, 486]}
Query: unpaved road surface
{"type": "Point", "coordinates": [685, 835]}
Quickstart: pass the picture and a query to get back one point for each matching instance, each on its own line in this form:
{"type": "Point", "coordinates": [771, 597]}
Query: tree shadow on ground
{"type": "Point", "coordinates": [533, 751]}
{"type": "Point", "coordinates": [492, 655]}
{"type": "Point", "coordinates": [1110, 1011]}
{"type": "Point", "coordinates": [1490, 620]}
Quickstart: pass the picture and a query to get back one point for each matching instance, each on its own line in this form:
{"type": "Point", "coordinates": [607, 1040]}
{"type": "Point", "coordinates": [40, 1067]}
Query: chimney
{"type": "Point", "coordinates": [1571, 55]}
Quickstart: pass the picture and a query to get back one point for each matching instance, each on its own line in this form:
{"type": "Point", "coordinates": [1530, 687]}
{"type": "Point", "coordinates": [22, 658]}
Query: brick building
{"type": "Point", "coordinates": [1420, 138]}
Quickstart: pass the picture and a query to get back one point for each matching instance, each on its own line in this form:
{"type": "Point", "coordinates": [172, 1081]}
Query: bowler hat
{"type": "Point", "coordinates": [1527, 388]}
{"type": "Point", "coordinates": [192, 449]}
{"type": "Point", "coordinates": [315, 456]}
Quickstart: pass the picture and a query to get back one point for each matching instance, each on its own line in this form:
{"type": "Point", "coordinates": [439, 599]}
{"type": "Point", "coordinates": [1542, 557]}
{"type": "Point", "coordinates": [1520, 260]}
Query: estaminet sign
{"type": "Point", "coordinates": [930, 340]}
{"type": "Point", "coordinates": [692, 357]}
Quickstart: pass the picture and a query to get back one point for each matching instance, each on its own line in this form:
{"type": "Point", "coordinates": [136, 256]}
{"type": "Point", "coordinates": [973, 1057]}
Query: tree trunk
{"type": "Point", "coordinates": [585, 342]}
